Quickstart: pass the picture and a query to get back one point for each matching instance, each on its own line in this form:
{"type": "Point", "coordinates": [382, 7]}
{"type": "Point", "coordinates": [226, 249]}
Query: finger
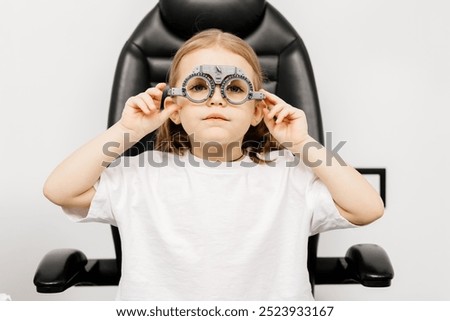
{"type": "Point", "coordinates": [272, 99]}
{"type": "Point", "coordinates": [131, 102]}
{"type": "Point", "coordinates": [282, 115]}
{"type": "Point", "coordinates": [275, 110]}
{"type": "Point", "coordinates": [269, 121]}
{"type": "Point", "coordinates": [161, 86]}
{"type": "Point", "coordinates": [140, 103]}
{"type": "Point", "coordinates": [169, 110]}
{"type": "Point", "coordinates": [148, 101]}
{"type": "Point", "coordinates": [156, 96]}
{"type": "Point", "coordinates": [155, 93]}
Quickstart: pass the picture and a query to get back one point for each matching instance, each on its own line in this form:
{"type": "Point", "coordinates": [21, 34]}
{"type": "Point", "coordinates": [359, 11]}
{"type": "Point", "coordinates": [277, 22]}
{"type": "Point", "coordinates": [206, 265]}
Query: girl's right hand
{"type": "Point", "coordinates": [141, 114]}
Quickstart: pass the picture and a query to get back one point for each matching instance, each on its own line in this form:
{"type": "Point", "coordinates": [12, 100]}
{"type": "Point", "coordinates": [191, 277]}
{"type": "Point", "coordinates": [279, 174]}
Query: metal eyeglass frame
{"type": "Point", "coordinates": [217, 75]}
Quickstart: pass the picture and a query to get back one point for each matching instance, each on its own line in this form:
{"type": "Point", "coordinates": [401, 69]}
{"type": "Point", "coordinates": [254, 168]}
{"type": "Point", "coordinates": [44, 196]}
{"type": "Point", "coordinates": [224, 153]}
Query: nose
{"type": "Point", "coordinates": [216, 99]}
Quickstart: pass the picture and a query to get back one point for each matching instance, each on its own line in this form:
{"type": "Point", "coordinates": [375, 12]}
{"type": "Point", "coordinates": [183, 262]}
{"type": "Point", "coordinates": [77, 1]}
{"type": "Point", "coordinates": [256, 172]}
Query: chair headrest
{"type": "Point", "coordinates": [187, 17]}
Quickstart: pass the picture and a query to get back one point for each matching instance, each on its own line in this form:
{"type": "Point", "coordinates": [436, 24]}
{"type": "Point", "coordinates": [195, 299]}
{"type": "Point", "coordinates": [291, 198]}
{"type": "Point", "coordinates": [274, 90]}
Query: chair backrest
{"type": "Point", "coordinates": [146, 57]}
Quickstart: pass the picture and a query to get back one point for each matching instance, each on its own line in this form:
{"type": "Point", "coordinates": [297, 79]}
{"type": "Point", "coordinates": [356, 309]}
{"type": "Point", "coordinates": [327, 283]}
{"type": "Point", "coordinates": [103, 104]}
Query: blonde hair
{"type": "Point", "coordinates": [171, 137]}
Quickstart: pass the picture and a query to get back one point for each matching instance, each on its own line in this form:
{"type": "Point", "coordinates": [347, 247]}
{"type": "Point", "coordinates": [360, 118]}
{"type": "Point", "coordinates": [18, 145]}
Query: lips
{"type": "Point", "coordinates": [215, 116]}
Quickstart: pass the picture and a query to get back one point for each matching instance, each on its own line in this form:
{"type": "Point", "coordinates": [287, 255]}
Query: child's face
{"type": "Point", "coordinates": [215, 120]}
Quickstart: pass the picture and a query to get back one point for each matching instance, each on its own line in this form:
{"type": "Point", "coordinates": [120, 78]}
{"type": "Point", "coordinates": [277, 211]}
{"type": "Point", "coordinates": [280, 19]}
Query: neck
{"type": "Point", "coordinates": [216, 152]}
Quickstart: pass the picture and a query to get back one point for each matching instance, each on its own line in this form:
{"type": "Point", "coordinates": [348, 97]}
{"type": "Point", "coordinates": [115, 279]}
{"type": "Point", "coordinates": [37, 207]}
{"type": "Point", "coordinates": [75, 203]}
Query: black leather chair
{"type": "Point", "coordinates": [145, 60]}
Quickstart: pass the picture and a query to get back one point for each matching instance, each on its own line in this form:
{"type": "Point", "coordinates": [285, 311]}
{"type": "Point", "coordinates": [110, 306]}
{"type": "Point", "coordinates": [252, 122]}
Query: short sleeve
{"type": "Point", "coordinates": [101, 211]}
{"type": "Point", "coordinates": [325, 215]}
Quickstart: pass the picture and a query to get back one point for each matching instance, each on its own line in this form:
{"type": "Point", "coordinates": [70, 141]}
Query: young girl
{"type": "Point", "coordinates": [215, 212]}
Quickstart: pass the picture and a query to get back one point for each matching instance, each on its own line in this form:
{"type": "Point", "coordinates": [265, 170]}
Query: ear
{"type": "Point", "coordinates": [175, 116]}
{"type": "Point", "coordinates": [258, 113]}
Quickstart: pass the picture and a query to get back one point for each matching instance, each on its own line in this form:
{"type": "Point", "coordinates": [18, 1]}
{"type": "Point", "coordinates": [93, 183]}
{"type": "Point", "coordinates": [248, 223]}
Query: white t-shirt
{"type": "Point", "coordinates": [198, 230]}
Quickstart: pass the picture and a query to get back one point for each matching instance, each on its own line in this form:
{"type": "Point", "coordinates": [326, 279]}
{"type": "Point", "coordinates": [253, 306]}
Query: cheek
{"type": "Point", "coordinates": [250, 108]}
{"type": "Point", "coordinates": [186, 110]}
{"type": "Point", "coordinates": [187, 119]}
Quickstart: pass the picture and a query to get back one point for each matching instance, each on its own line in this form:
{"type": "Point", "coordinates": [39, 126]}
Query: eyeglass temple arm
{"type": "Point", "coordinates": [176, 92]}
{"type": "Point", "coordinates": [257, 95]}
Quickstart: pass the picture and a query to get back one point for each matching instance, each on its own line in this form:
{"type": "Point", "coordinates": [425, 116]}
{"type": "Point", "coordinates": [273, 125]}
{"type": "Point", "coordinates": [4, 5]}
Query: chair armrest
{"type": "Point", "coordinates": [370, 265]}
{"type": "Point", "coordinates": [59, 270]}
{"type": "Point", "coordinates": [366, 264]}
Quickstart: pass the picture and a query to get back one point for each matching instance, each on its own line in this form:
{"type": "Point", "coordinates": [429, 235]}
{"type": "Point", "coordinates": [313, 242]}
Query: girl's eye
{"type": "Point", "coordinates": [234, 89]}
{"type": "Point", "coordinates": [198, 87]}
{"type": "Point", "coordinates": [237, 87]}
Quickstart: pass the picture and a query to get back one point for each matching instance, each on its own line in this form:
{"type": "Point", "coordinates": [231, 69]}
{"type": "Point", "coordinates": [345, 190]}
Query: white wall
{"type": "Point", "coordinates": [383, 73]}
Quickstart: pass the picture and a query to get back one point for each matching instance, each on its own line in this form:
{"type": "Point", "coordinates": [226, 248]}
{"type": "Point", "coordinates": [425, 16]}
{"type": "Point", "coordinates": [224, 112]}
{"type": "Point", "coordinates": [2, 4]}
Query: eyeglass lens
{"type": "Point", "coordinates": [235, 90]}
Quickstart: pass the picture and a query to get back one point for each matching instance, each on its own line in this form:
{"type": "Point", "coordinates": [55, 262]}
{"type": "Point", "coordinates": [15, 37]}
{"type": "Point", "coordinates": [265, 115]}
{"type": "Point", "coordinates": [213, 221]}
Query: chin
{"type": "Point", "coordinates": [215, 135]}
{"type": "Point", "coordinates": [217, 140]}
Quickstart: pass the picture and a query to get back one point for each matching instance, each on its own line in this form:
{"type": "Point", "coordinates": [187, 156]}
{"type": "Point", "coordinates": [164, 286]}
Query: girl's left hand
{"type": "Point", "coordinates": [286, 123]}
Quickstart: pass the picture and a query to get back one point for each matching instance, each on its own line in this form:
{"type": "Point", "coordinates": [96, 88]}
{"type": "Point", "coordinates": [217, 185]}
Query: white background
{"type": "Point", "coordinates": [383, 74]}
